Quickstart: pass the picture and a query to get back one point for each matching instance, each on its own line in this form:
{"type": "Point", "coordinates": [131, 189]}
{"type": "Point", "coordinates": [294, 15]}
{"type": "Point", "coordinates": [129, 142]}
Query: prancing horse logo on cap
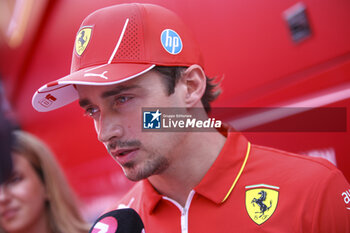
{"type": "Point", "coordinates": [82, 39]}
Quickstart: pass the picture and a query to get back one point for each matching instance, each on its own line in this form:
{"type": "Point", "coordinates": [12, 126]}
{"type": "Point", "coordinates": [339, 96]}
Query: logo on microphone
{"type": "Point", "coordinates": [171, 41]}
{"type": "Point", "coordinates": [106, 225]}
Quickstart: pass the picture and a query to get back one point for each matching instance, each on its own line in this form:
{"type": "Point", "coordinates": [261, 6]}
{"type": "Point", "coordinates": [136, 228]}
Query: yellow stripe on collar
{"type": "Point", "coordinates": [239, 173]}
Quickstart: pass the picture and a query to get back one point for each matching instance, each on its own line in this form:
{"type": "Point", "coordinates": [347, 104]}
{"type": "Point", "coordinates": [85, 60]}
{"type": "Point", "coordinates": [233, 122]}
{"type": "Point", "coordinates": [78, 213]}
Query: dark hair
{"type": "Point", "coordinates": [172, 75]}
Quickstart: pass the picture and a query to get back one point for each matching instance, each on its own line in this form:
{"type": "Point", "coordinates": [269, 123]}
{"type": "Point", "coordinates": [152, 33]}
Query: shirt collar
{"type": "Point", "coordinates": [219, 180]}
{"type": "Point", "coordinates": [150, 196]}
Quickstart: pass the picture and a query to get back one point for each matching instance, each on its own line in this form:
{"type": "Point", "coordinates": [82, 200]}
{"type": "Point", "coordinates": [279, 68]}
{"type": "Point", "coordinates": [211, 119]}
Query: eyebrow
{"type": "Point", "coordinates": [117, 90]}
{"type": "Point", "coordinates": [84, 102]}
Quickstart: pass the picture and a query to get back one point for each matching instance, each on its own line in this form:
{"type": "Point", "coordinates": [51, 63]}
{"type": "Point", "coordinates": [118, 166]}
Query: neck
{"type": "Point", "coordinates": [189, 165]}
{"type": "Point", "coordinates": [41, 225]}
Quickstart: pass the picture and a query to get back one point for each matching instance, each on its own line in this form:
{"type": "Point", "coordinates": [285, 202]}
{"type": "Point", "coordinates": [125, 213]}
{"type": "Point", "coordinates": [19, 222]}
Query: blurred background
{"type": "Point", "coordinates": [267, 53]}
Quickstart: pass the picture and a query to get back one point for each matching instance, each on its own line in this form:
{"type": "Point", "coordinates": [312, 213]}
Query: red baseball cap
{"type": "Point", "coordinates": [118, 43]}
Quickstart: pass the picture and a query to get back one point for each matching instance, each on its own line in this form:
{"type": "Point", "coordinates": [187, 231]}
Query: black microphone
{"type": "Point", "coordinates": [119, 221]}
{"type": "Point", "coordinates": [5, 148]}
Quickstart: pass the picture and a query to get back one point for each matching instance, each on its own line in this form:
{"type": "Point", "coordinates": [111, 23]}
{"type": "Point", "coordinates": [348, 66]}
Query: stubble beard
{"type": "Point", "coordinates": [155, 165]}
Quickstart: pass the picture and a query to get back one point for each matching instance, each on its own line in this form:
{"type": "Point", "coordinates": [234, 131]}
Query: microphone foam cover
{"type": "Point", "coordinates": [118, 221]}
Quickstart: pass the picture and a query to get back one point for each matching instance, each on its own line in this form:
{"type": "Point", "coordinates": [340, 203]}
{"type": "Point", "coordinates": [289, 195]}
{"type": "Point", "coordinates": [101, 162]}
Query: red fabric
{"type": "Point", "coordinates": [311, 195]}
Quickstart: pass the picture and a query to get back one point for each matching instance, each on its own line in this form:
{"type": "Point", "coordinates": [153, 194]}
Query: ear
{"type": "Point", "coordinates": [194, 80]}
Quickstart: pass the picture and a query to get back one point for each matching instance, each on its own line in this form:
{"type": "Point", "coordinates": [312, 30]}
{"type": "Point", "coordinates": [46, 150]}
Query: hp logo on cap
{"type": "Point", "coordinates": [171, 41]}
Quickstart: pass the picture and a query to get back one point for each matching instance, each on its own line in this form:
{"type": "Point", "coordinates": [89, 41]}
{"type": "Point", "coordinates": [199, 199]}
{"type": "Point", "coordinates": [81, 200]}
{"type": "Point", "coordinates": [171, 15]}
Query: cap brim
{"type": "Point", "coordinates": [61, 92]}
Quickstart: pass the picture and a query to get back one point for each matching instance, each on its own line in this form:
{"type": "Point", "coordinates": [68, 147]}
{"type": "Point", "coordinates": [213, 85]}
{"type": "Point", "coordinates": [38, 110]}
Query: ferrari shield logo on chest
{"type": "Point", "coordinates": [261, 202]}
{"type": "Point", "coordinates": [82, 40]}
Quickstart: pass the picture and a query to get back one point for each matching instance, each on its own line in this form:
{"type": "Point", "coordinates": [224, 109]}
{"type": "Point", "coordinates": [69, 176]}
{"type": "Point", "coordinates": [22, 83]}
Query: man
{"type": "Point", "coordinates": [131, 56]}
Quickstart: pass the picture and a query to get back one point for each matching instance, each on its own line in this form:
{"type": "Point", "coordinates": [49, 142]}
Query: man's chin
{"type": "Point", "coordinates": [139, 171]}
{"type": "Point", "coordinates": [134, 178]}
{"type": "Point", "coordinates": [133, 175]}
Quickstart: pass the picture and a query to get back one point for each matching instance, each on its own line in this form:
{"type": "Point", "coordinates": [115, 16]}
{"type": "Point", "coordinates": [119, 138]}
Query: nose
{"type": "Point", "coordinates": [108, 127]}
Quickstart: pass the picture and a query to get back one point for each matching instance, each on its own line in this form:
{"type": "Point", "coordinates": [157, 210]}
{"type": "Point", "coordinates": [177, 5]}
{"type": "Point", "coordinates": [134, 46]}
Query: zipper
{"type": "Point", "coordinates": [184, 210]}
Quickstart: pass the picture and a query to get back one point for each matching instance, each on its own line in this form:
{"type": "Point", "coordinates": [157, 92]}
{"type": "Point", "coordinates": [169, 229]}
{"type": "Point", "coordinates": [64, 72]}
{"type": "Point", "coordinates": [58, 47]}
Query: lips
{"type": "Point", "coordinates": [123, 152]}
{"type": "Point", "coordinates": [8, 214]}
{"type": "Point", "coordinates": [123, 156]}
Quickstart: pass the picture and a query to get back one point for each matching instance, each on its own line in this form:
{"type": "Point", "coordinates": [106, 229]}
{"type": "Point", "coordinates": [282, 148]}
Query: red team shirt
{"type": "Point", "coordinates": [252, 188]}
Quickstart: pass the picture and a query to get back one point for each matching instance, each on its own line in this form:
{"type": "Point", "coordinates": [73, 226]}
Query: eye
{"type": "Point", "coordinates": [91, 112]}
{"type": "Point", "coordinates": [15, 178]}
{"type": "Point", "coordinates": [122, 99]}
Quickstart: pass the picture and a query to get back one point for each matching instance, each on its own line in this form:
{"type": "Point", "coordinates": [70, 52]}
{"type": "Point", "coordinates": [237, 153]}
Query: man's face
{"type": "Point", "coordinates": [117, 111]}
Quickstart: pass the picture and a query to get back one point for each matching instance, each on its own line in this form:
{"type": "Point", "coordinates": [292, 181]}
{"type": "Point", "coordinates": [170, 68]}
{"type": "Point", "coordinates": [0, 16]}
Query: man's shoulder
{"type": "Point", "coordinates": [293, 173]}
{"type": "Point", "coordinates": [285, 158]}
{"type": "Point", "coordinates": [286, 166]}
